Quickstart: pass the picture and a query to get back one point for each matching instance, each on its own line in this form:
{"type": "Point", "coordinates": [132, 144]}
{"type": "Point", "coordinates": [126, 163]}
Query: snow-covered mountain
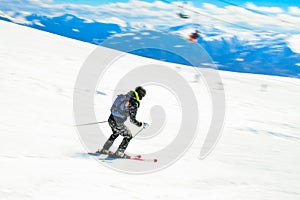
{"type": "Point", "coordinates": [260, 53]}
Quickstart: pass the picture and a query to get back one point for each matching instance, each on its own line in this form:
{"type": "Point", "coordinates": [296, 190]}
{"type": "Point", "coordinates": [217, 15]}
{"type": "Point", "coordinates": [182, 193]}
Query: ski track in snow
{"type": "Point", "coordinates": [41, 156]}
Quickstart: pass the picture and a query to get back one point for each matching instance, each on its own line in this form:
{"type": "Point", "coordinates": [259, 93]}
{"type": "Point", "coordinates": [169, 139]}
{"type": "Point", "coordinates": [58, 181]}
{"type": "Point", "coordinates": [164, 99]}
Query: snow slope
{"type": "Point", "coordinates": [41, 155]}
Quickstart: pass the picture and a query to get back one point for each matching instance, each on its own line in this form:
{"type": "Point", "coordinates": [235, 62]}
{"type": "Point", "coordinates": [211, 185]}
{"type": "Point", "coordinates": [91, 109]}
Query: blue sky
{"type": "Point", "coordinates": [278, 3]}
{"type": "Point", "coordinates": [90, 2]}
{"type": "Point", "coordinates": [254, 15]}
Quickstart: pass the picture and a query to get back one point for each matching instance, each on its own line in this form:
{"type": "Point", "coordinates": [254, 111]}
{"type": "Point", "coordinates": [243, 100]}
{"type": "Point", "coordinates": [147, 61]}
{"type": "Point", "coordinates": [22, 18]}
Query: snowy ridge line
{"type": "Point", "coordinates": [257, 12]}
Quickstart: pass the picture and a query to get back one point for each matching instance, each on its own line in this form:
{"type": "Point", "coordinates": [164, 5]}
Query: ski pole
{"type": "Point", "coordinates": [138, 132]}
{"type": "Point", "coordinates": [90, 123]}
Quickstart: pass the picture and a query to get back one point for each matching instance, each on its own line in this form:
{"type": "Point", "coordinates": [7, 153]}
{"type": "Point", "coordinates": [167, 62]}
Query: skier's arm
{"type": "Point", "coordinates": [132, 113]}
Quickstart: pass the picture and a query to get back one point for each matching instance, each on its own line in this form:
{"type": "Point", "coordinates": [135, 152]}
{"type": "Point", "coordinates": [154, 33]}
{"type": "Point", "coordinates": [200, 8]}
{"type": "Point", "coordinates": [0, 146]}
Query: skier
{"type": "Point", "coordinates": [194, 36]}
{"type": "Point", "coordinates": [124, 106]}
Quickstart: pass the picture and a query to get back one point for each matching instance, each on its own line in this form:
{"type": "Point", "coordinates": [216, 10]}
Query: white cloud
{"type": "Point", "coordinates": [293, 43]}
{"type": "Point", "coordinates": [214, 9]}
{"type": "Point", "coordinates": [114, 20]}
{"type": "Point", "coordinates": [233, 16]}
{"type": "Point", "coordinates": [294, 10]}
{"type": "Point", "coordinates": [264, 9]}
{"type": "Point", "coordinates": [289, 22]}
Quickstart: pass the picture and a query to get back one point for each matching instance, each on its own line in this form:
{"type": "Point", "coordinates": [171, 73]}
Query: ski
{"type": "Point", "coordinates": [108, 155]}
{"type": "Point", "coordinates": [137, 158]}
{"type": "Point", "coordinates": [95, 154]}
{"type": "Point", "coordinates": [131, 157]}
{"type": "Point", "coordinates": [144, 159]}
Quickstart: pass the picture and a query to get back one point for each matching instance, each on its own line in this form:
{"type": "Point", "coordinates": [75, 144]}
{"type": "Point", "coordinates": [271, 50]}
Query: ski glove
{"type": "Point", "coordinates": [145, 125]}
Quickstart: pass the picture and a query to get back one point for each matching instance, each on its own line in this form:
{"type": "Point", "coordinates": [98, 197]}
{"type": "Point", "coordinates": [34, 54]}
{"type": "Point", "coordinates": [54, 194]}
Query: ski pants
{"type": "Point", "coordinates": [118, 129]}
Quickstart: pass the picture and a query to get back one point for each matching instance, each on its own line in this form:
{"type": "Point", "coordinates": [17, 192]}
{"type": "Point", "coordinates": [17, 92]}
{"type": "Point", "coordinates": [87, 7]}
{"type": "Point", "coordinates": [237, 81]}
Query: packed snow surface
{"type": "Point", "coordinates": [42, 157]}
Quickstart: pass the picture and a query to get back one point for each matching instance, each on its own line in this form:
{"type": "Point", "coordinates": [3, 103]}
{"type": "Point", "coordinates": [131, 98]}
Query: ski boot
{"type": "Point", "coordinates": [104, 151]}
{"type": "Point", "coordinates": [119, 154]}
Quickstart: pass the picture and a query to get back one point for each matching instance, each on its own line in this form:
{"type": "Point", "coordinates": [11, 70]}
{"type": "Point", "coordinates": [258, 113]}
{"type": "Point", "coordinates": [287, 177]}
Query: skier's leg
{"type": "Point", "coordinates": [124, 144]}
{"type": "Point", "coordinates": [110, 141]}
{"type": "Point", "coordinates": [125, 132]}
{"type": "Point", "coordinates": [112, 138]}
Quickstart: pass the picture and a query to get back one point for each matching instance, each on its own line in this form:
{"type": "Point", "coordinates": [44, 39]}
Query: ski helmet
{"type": "Point", "coordinates": [141, 91]}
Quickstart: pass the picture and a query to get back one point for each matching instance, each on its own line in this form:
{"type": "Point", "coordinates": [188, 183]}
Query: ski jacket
{"type": "Point", "coordinates": [129, 111]}
{"type": "Point", "coordinates": [194, 36]}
